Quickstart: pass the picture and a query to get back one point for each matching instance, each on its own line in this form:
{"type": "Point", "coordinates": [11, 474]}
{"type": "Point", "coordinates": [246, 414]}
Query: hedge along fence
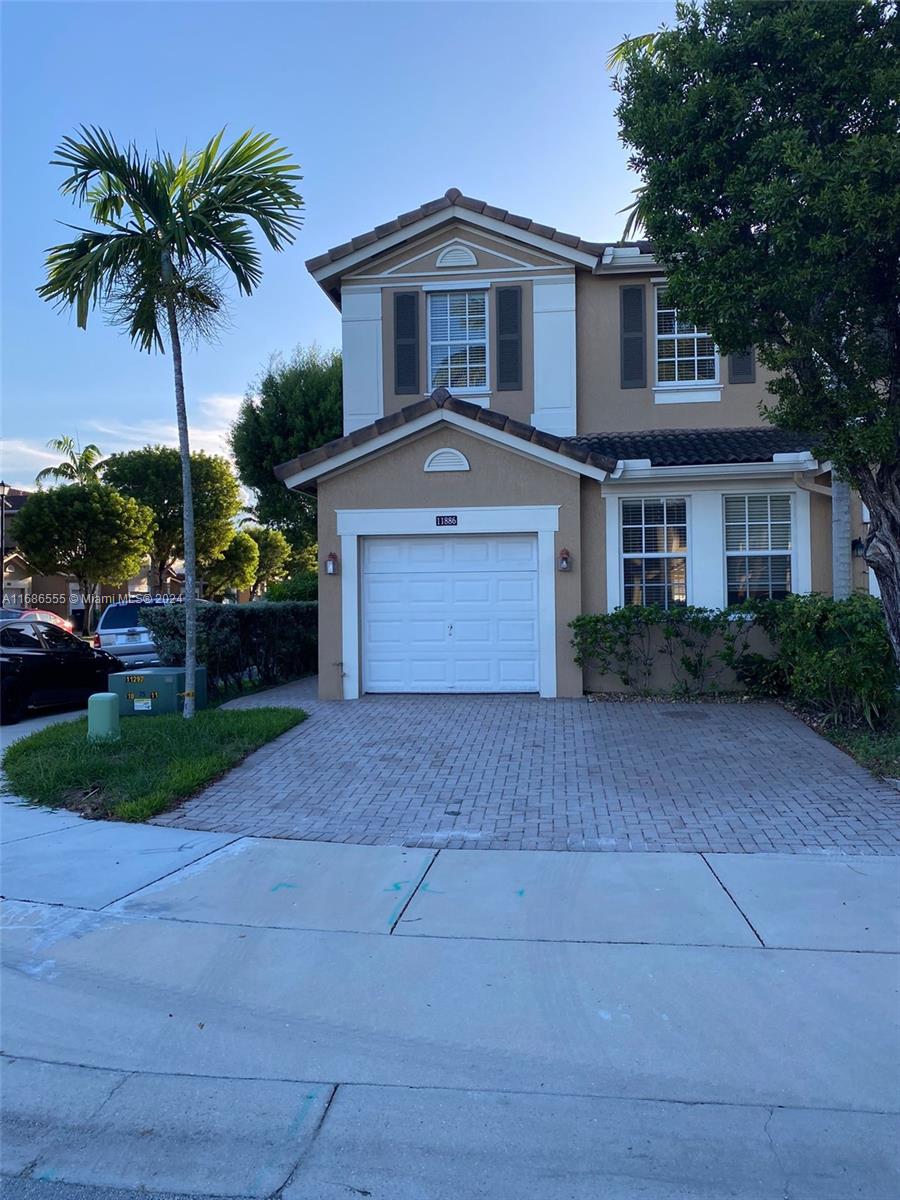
{"type": "Point", "coordinates": [830, 655]}
{"type": "Point", "coordinates": [264, 641]}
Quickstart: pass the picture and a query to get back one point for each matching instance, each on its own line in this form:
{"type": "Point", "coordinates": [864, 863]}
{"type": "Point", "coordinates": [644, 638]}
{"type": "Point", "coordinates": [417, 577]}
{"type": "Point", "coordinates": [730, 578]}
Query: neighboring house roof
{"type": "Point", "coordinates": [492, 423]}
{"type": "Point", "coordinates": [695, 447]}
{"type": "Point", "coordinates": [454, 199]}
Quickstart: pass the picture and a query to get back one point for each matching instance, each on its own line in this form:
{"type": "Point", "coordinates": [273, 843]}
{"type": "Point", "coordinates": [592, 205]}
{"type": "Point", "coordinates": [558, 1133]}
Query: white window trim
{"type": "Point", "coordinates": [681, 391]}
{"type": "Point", "coordinates": [352, 524]}
{"type": "Point", "coordinates": [685, 554]}
{"type": "Point", "coordinates": [463, 391]}
{"type": "Point", "coordinates": [706, 586]}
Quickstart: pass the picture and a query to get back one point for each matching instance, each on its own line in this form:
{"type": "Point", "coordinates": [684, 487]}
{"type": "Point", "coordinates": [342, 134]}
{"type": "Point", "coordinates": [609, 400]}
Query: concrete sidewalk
{"type": "Point", "coordinates": [199, 1014]}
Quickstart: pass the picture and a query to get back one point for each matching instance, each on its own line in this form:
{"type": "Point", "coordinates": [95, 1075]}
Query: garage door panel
{"type": "Point", "coordinates": [427, 631]}
{"type": "Point", "coordinates": [467, 632]}
{"type": "Point", "coordinates": [426, 591]}
{"type": "Point", "coordinates": [381, 633]}
{"type": "Point", "coordinates": [517, 589]}
{"type": "Point", "coordinates": [450, 613]}
{"type": "Point", "coordinates": [429, 670]}
{"type": "Point", "coordinates": [519, 671]}
{"type": "Point", "coordinates": [516, 551]}
{"type": "Point", "coordinates": [517, 631]}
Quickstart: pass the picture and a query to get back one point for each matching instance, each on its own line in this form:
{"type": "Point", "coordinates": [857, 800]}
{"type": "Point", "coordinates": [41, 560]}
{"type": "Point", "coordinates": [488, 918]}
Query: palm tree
{"type": "Point", "coordinates": [78, 465]}
{"type": "Point", "coordinates": [643, 45]}
{"type": "Point", "coordinates": [169, 233]}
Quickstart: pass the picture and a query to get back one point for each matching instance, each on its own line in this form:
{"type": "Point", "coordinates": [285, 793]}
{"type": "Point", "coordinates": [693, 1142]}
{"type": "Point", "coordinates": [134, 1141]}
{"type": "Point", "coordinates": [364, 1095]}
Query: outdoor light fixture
{"type": "Point", "coordinates": [858, 546]}
{"type": "Point", "coordinates": [331, 564]}
{"type": "Point", "coordinates": [565, 560]}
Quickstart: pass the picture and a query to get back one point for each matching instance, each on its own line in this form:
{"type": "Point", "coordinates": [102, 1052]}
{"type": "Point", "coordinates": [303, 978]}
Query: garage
{"type": "Point", "coordinates": [450, 613]}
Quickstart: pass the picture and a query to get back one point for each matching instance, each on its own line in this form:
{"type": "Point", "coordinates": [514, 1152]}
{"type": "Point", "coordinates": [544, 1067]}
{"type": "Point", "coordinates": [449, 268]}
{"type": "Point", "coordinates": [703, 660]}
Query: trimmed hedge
{"type": "Point", "coordinates": [831, 656]}
{"type": "Point", "coordinates": [263, 641]}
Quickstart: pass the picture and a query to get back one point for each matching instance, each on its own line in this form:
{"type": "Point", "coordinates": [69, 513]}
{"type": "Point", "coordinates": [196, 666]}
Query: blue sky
{"type": "Point", "coordinates": [383, 105]}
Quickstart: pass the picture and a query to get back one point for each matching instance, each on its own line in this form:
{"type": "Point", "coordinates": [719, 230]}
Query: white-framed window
{"type": "Point", "coordinates": [685, 354]}
{"type": "Point", "coordinates": [457, 341]}
{"type": "Point", "coordinates": [654, 551]}
{"type": "Point", "coordinates": [758, 546]}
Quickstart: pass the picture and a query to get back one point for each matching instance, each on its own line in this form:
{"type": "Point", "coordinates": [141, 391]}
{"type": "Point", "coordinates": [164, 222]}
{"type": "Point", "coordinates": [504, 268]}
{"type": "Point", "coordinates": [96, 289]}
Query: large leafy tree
{"type": "Point", "coordinates": [152, 476]}
{"type": "Point", "coordinates": [80, 464]}
{"type": "Point", "coordinates": [88, 530]}
{"type": "Point", "coordinates": [234, 569]}
{"type": "Point", "coordinates": [274, 554]}
{"type": "Point", "coordinates": [294, 407]}
{"type": "Point", "coordinates": [766, 137]}
{"type": "Point", "coordinates": [168, 234]}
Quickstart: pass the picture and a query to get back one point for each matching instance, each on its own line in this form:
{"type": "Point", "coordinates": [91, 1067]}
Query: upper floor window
{"type": "Point", "coordinates": [758, 547]}
{"type": "Point", "coordinates": [457, 340]}
{"type": "Point", "coordinates": [684, 352]}
{"type": "Point", "coordinates": [654, 551]}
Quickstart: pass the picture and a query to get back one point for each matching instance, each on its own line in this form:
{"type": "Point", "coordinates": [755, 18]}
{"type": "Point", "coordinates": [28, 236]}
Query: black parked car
{"type": "Point", "coordinates": [41, 664]}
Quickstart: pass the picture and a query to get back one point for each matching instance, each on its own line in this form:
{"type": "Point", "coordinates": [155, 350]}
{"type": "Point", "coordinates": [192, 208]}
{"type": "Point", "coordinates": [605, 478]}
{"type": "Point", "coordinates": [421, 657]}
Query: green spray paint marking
{"type": "Point", "coordinates": [279, 886]}
{"type": "Point", "coordinates": [520, 892]}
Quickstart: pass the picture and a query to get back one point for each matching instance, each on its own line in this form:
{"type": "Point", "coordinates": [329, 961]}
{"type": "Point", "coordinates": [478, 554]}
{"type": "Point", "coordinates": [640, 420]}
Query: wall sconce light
{"type": "Point", "coordinates": [858, 546]}
{"type": "Point", "coordinates": [331, 564]}
{"type": "Point", "coordinates": [565, 560]}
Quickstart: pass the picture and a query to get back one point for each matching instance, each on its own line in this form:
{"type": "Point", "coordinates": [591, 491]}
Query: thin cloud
{"type": "Point", "coordinates": [209, 418]}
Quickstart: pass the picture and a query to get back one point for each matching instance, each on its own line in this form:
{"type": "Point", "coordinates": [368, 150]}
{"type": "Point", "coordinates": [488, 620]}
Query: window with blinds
{"type": "Point", "coordinates": [758, 542]}
{"type": "Point", "coordinates": [684, 353]}
{"type": "Point", "coordinates": [457, 340]}
{"type": "Point", "coordinates": [654, 552]}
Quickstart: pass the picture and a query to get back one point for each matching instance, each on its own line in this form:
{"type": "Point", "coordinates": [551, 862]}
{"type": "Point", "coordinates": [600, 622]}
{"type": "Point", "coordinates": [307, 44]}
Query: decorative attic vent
{"type": "Point", "coordinates": [457, 256]}
{"type": "Point", "coordinates": [446, 459]}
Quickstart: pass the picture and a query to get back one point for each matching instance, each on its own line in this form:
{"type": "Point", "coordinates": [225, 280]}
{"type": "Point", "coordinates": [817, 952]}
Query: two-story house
{"type": "Point", "coordinates": [532, 432]}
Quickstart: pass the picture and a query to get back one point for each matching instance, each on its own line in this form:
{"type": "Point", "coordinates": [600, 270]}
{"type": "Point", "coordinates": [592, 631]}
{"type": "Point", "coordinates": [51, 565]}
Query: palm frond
{"type": "Point", "coordinates": [643, 43]}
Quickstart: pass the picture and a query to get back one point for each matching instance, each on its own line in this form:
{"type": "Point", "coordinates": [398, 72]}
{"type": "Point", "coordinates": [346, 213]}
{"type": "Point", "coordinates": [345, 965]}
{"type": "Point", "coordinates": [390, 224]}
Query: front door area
{"type": "Point", "coordinates": [450, 613]}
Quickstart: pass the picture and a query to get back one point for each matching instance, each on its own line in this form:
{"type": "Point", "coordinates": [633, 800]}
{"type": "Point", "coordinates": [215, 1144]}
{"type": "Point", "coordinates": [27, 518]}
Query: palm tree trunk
{"type": "Point", "coordinates": [190, 553]}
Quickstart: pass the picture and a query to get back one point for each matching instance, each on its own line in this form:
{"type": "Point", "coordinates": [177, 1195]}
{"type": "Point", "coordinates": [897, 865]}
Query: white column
{"type": "Point", "coordinates": [547, 613]}
{"type": "Point", "coordinates": [706, 549]}
{"type": "Point", "coordinates": [554, 356]}
{"type": "Point", "coordinates": [350, 615]}
{"type": "Point", "coordinates": [362, 355]}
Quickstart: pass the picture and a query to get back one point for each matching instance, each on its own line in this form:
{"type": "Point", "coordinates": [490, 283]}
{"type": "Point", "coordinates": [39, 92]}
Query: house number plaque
{"type": "Point", "coordinates": [446, 520]}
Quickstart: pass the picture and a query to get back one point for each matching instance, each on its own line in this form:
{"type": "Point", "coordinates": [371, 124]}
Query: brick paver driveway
{"type": "Point", "coordinates": [517, 772]}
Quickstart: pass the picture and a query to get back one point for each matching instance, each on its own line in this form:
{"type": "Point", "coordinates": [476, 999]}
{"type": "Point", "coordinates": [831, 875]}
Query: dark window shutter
{"type": "Point", "coordinates": [509, 339]}
{"type": "Point", "coordinates": [742, 366]}
{"type": "Point", "coordinates": [633, 336]}
{"type": "Point", "coordinates": [406, 343]}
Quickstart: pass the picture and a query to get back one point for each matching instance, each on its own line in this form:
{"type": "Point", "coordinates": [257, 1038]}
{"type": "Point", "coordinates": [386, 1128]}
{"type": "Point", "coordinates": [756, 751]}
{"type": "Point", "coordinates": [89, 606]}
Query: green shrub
{"type": "Point", "coordinates": [263, 641]}
{"type": "Point", "coordinates": [832, 656]}
{"type": "Point", "coordinates": [835, 656]}
{"type": "Point", "coordinates": [302, 586]}
{"type": "Point", "coordinates": [619, 643]}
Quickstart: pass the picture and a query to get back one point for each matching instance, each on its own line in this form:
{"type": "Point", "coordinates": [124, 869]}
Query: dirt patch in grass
{"type": "Point", "coordinates": [159, 761]}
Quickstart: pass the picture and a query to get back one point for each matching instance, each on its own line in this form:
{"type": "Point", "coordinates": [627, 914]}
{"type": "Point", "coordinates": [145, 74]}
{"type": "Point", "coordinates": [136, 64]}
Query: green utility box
{"type": "Point", "coordinates": [149, 691]}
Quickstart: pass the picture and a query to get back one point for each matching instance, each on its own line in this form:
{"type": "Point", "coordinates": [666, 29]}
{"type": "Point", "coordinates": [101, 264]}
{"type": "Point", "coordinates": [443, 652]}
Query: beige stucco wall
{"type": "Point", "coordinates": [604, 406]}
{"type": "Point", "coordinates": [516, 404]}
{"type": "Point", "coordinates": [498, 476]}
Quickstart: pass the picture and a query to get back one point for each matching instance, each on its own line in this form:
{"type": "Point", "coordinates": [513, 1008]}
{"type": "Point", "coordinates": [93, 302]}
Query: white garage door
{"type": "Point", "coordinates": [450, 614]}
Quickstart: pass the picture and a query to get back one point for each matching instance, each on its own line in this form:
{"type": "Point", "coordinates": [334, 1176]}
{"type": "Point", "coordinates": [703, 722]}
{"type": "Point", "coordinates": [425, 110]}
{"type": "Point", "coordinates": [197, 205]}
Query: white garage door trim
{"type": "Point", "coordinates": [352, 524]}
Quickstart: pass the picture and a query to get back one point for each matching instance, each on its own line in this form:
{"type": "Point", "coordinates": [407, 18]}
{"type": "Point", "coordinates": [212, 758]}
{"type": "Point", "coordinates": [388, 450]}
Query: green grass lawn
{"type": "Point", "coordinates": [158, 762]}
